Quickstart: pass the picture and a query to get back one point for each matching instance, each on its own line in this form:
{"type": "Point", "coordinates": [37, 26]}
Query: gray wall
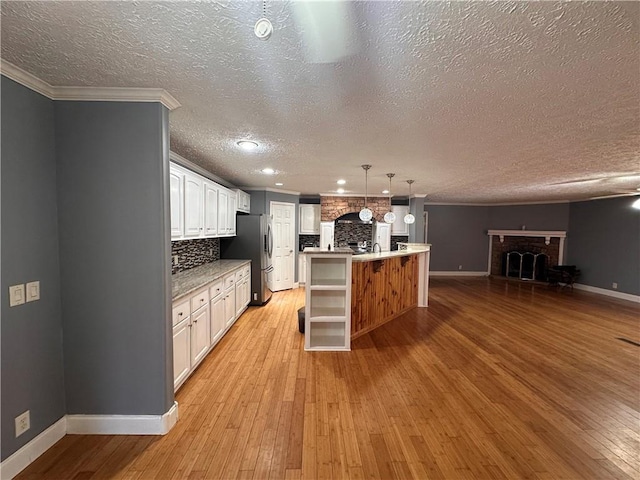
{"type": "Point", "coordinates": [113, 161]}
{"type": "Point", "coordinates": [553, 216]}
{"type": "Point", "coordinates": [604, 243]}
{"type": "Point", "coordinates": [32, 356]}
{"type": "Point", "coordinates": [458, 236]}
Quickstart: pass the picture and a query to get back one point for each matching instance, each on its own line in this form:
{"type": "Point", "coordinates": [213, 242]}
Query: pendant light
{"type": "Point", "coordinates": [366, 214]}
{"type": "Point", "coordinates": [409, 218]}
{"type": "Point", "coordinates": [390, 217]}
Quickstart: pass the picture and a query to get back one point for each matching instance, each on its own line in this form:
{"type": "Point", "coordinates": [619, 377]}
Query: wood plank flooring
{"type": "Point", "coordinates": [495, 379]}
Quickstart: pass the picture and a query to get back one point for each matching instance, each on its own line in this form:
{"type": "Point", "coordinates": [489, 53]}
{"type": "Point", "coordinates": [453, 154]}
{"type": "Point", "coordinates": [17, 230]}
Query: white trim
{"type": "Point", "coordinates": [296, 284]}
{"type": "Point", "coordinates": [458, 273]}
{"type": "Point", "coordinates": [458, 204]}
{"type": "Point", "coordinates": [123, 424]}
{"type": "Point", "coordinates": [608, 293]}
{"type": "Point", "coordinates": [26, 79]}
{"type": "Point", "coordinates": [268, 189]}
{"type": "Point", "coordinates": [189, 165]}
{"type": "Point", "coordinates": [21, 459]}
{"type": "Point", "coordinates": [528, 233]}
{"type": "Point", "coordinates": [91, 94]}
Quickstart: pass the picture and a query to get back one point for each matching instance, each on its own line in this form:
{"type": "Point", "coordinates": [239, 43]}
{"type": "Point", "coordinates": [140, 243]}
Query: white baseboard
{"type": "Point", "coordinates": [123, 424]}
{"type": "Point", "coordinates": [21, 459]}
{"type": "Point", "coordinates": [458, 273]}
{"type": "Point", "coordinates": [609, 293]}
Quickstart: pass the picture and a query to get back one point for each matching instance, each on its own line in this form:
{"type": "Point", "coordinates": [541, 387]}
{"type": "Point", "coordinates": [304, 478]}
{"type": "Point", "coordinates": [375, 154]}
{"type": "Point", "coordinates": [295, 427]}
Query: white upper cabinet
{"type": "Point", "coordinates": [309, 219]}
{"type": "Point", "coordinates": [231, 215]}
{"type": "Point", "coordinates": [243, 201]}
{"type": "Point", "coordinates": [210, 209]}
{"type": "Point", "coordinates": [399, 227]}
{"type": "Point", "coordinates": [176, 198]}
{"type": "Point", "coordinates": [192, 205]}
{"type": "Point", "coordinates": [223, 211]}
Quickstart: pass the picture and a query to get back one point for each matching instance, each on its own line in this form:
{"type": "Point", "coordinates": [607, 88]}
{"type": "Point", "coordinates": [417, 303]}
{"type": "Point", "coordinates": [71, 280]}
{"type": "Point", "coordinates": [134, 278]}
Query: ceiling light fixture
{"type": "Point", "coordinates": [384, 192]}
{"type": "Point", "coordinates": [340, 190]}
{"type": "Point", "coordinates": [247, 145]}
{"type": "Point", "coordinates": [409, 218]}
{"type": "Point", "coordinates": [341, 182]}
{"type": "Point", "coordinates": [636, 204]}
{"type": "Point", "coordinates": [279, 184]}
{"type": "Point", "coordinates": [366, 214]}
{"type": "Point", "coordinates": [263, 28]}
{"type": "Point", "coordinates": [268, 171]}
{"type": "Point", "coordinates": [390, 217]}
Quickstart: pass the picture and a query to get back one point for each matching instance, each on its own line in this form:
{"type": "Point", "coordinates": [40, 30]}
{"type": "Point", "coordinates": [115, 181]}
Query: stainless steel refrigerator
{"type": "Point", "coordinates": [253, 241]}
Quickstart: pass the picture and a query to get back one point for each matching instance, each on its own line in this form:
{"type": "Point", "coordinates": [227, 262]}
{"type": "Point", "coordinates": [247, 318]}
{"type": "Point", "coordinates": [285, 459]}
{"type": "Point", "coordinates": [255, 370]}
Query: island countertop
{"type": "Point", "coordinates": [183, 283]}
{"type": "Point", "coordinates": [416, 248]}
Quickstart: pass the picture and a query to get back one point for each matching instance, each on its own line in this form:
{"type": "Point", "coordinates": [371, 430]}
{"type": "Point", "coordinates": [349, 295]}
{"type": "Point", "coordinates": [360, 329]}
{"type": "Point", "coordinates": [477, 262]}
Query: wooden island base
{"type": "Point", "coordinates": [385, 288]}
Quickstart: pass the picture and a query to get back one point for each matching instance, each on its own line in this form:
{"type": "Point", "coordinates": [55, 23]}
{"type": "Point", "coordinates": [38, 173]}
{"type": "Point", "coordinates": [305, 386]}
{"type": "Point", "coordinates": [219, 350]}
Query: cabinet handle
{"type": "Point", "coordinates": [180, 314]}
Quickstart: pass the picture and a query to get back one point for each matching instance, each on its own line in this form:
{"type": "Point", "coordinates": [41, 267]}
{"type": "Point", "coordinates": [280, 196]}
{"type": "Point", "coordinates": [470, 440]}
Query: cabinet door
{"type": "Point", "coordinates": [240, 297]}
{"type": "Point", "coordinates": [192, 206]}
{"type": "Point", "coordinates": [200, 337]}
{"type": "Point", "coordinates": [231, 219]}
{"type": "Point", "coordinates": [210, 209]}
{"type": "Point", "coordinates": [223, 210]}
{"type": "Point", "coordinates": [309, 219]}
{"type": "Point", "coordinates": [229, 307]}
{"type": "Point", "coordinates": [326, 234]}
{"type": "Point", "coordinates": [176, 200]}
{"type": "Point", "coordinates": [217, 319]}
{"type": "Point", "coordinates": [181, 352]}
{"type": "Point", "coordinates": [383, 236]}
{"type": "Point", "coordinates": [302, 270]}
{"type": "Point", "coordinates": [399, 227]}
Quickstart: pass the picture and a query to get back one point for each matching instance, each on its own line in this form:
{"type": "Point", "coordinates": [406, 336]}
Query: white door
{"type": "Point", "coordinates": [383, 236]}
{"type": "Point", "coordinates": [192, 206]}
{"type": "Point", "coordinates": [181, 352]}
{"type": "Point", "coordinates": [310, 219]}
{"type": "Point", "coordinates": [210, 209]}
{"type": "Point", "coordinates": [231, 215]}
{"type": "Point", "coordinates": [217, 318]}
{"type": "Point", "coordinates": [326, 234]}
{"type": "Point", "coordinates": [230, 306]}
{"type": "Point", "coordinates": [284, 238]}
{"type": "Point", "coordinates": [200, 337]}
{"type": "Point", "coordinates": [176, 199]}
{"type": "Point", "coordinates": [223, 211]}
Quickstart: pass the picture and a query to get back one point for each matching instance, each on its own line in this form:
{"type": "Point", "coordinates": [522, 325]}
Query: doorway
{"type": "Point", "coordinates": [284, 238]}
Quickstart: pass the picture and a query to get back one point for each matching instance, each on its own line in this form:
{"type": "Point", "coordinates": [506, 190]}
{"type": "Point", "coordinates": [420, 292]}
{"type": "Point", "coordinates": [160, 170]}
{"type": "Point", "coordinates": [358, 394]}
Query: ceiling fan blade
{"type": "Point", "coordinates": [327, 29]}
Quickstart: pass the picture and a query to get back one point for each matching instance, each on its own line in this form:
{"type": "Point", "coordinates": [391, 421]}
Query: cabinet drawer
{"type": "Point", "coordinates": [246, 271]}
{"type": "Point", "coordinates": [200, 299]}
{"type": "Point", "coordinates": [239, 276]}
{"type": "Point", "coordinates": [229, 281]}
{"type": "Point", "coordinates": [180, 311]}
{"type": "Point", "coordinates": [216, 289]}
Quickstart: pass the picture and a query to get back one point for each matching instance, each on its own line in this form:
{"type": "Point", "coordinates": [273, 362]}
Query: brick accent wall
{"type": "Point", "coordinates": [522, 245]}
{"type": "Point", "coordinates": [334, 207]}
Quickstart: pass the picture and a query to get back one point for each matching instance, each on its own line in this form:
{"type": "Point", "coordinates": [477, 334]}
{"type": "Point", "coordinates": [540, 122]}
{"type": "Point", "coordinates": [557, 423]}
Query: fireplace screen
{"type": "Point", "coordinates": [525, 265]}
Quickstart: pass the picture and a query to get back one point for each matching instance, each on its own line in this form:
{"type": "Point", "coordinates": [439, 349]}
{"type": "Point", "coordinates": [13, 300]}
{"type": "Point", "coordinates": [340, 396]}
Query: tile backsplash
{"type": "Point", "coordinates": [193, 253]}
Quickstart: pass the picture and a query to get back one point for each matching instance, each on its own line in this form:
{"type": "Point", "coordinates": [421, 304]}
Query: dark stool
{"type": "Point", "coordinates": [563, 275]}
{"type": "Point", "coordinates": [301, 320]}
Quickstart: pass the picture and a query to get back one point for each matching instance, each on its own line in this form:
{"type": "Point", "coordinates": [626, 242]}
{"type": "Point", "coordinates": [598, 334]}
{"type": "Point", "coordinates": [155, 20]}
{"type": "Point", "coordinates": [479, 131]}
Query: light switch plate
{"type": "Point", "coordinates": [33, 291]}
{"type": "Point", "coordinates": [16, 295]}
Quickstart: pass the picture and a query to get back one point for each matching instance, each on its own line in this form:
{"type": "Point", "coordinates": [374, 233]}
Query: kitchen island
{"type": "Point", "coordinates": [387, 284]}
{"type": "Point", "coordinates": [350, 295]}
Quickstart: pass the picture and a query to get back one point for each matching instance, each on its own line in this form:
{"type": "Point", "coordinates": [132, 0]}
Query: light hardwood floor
{"type": "Point", "coordinates": [495, 379]}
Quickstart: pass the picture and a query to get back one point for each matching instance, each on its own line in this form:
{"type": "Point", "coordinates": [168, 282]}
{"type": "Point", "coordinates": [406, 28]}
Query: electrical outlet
{"type": "Point", "coordinates": [23, 423]}
{"type": "Point", "coordinates": [175, 259]}
{"type": "Point", "coordinates": [459, 267]}
{"type": "Point", "coordinates": [614, 285]}
{"type": "Point", "coordinates": [211, 252]}
{"type": "Point", "coordinates": [33, 291]}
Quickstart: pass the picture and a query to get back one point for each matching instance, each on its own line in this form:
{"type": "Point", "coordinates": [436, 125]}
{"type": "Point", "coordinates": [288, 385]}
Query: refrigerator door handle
{"type": "Point", "coordinates": [269, 241]}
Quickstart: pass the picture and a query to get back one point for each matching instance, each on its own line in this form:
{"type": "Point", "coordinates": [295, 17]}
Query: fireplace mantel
{"type": "Point", "coordinates": [546, 234]}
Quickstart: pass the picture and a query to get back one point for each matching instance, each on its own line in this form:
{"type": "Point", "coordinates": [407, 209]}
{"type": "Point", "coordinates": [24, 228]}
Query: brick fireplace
{"type": "Point", "coordinates": [333, 207]}
{"type": "Point", "coordinates": [549, 243]}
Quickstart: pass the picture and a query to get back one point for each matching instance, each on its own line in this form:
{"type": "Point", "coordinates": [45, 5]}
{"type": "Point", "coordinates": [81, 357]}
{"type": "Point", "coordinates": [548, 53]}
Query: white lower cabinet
{"type": "Point", "coordinates": [200, 320]}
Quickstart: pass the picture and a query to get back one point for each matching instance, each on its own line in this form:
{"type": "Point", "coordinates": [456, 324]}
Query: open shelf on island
{"type": "Point", "coordinates": [328, 271]}
{"type": "Point", "coordinates": [327, 334]}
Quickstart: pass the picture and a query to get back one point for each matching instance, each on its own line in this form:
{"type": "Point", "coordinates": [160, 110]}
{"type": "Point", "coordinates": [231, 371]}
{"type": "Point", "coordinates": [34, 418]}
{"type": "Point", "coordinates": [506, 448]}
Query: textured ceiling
{"type": "Point", "coordinates": [480, 102]}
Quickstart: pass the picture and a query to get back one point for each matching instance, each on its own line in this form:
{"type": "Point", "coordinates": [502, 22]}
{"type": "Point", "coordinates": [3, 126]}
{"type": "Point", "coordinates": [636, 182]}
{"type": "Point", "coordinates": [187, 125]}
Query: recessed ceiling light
{"type": "Point", "coordinates": [341, 182]}
{"type": "Point", "coordinates": [247, 145]}
{"type": "Point", "coordinates": [340, 190]}
{"type": "Point", "coordinates": [268, 171]}
{"type": "Point", "coordinates": [385, 191]}
{"type": "Point", "coordinates": [279, 184]}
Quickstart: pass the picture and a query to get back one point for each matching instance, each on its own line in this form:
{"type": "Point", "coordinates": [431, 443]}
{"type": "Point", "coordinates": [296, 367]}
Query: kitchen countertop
{"type": "Point", "coordinates": [184, 283]}
{"type": "Point", "coordinates": [315, 250]}
{"type": "Point", "coordinates": [368, 257]}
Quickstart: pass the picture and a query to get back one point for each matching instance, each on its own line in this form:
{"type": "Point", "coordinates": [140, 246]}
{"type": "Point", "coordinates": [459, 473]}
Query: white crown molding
{"type": "Point", "coordinates": [445, 204]}
{"type": "Point", "coordinates": [529, 233]}
{"type": "Point", "coordinates": [21, 459]}
{"type": "Point", "coordinates": [26, 79]}
{"type": "Point", "coordinates": [87, 94]}
{"type": "Point", "coordinates": [269, 189]}
{"type": "Point", "coordinates": [189, 165]}
{"type": "Point", "coordinates": [609, 293]}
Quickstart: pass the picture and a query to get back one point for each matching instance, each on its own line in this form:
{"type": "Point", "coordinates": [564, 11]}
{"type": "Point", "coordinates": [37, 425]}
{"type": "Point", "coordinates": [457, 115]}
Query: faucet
{"type": "Point", "coordinates": [373, 249]}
